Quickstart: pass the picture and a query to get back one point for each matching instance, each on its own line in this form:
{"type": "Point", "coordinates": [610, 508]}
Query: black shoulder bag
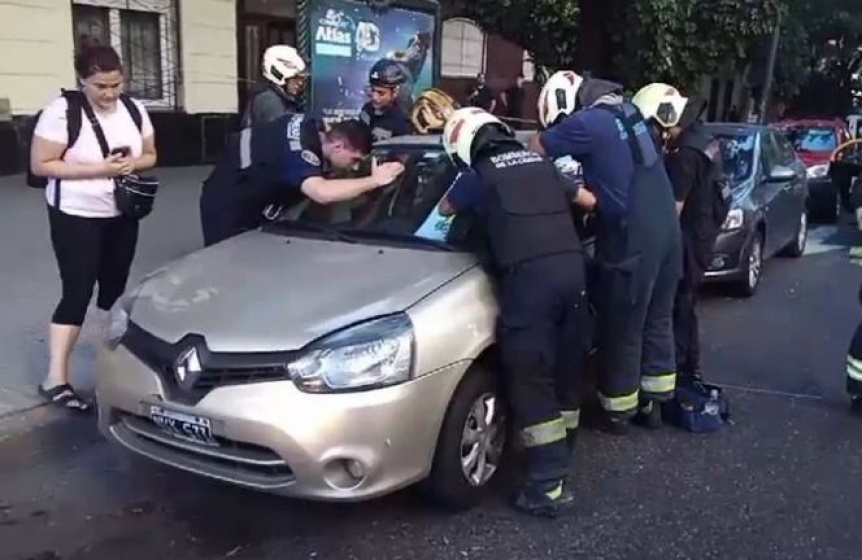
{"type": "Point", "coordinates": [134, 195]}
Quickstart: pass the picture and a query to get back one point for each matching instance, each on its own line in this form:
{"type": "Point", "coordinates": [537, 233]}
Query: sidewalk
{"type": "Point", "coordinates": [30, 284]}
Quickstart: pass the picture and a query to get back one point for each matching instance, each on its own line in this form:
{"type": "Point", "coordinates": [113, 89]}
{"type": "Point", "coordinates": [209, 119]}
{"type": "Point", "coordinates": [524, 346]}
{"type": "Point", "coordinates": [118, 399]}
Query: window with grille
{"type": "Point", "coordinates": [143, 33]}
{"type": "Point", "coordinates": [142, 54]}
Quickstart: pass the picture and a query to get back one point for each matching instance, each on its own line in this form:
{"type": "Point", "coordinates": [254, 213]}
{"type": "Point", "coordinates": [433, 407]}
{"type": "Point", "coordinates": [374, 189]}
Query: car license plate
{"type": "Point", "coordinates": [188, 427]}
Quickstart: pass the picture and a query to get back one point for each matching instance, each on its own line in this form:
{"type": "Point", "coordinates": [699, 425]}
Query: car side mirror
{"type": "Point", "coordinates": [781, 174]}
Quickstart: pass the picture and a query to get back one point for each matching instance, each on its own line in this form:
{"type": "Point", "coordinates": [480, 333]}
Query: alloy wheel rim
{"type": "Point", "coordinates": [803, 232]}
{"type": "Point", "coordinates": [482, 440]}
{"type": "Point", "coordinates": [754, 264]}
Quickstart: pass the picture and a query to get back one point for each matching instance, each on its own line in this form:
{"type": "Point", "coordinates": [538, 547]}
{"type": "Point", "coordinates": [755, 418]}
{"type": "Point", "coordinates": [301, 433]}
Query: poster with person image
{"type": "Point", "coordinates": [348, 37]}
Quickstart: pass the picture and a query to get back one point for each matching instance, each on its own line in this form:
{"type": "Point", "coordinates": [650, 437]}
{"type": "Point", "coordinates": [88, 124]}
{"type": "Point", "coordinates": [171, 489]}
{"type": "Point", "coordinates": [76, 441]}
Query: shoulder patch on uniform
{"type": "Point", "coordinates": [310, 157]}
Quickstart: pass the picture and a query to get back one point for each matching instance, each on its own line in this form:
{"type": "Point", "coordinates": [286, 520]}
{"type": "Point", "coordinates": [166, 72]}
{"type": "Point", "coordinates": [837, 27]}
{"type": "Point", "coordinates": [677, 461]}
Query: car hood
{"type": "Point", "coordinates": [262, 292]}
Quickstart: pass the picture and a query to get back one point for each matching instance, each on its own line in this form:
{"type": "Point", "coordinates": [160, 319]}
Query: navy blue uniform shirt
{"type": "Point", "coordinates": [392, 121]}
{"type": "Point", "coordinates": [284, 153]}
{"type": "Point", "coordinates": [595, 138]}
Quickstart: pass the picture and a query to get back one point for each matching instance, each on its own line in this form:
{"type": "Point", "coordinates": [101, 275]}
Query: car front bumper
{"type": "Point", "coordinates": [728, 257]}
{"type": "Point", "coordinates": [275, 438]}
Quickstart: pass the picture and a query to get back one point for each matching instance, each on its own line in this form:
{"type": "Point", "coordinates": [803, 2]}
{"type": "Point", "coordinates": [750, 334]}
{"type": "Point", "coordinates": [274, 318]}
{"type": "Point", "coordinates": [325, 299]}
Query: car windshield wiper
{"type": "Point", "coordinates": [397, 238]}
{"type": "Point", "coordinates": [328, 232]}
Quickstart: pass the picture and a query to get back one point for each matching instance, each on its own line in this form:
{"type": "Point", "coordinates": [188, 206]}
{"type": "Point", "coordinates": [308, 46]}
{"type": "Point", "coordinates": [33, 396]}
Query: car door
{"type": "Point", "coordinates": [768, 195]}
{"type": "Point", "coordinates": [793, 194]}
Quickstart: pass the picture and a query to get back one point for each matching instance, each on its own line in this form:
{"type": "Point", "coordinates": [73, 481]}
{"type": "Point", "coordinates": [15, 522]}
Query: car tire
{"type": "Point", "coordinates": [448, 484]}
{"type": "Point", "coordinates": [797, 247]}
{"type": "Point", "coordinates": [753, 270]}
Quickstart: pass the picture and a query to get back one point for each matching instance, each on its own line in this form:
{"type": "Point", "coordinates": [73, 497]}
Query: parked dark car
{"type": "Point", "coordinates": [768, 215]}
{"type": "Point", "coordinates": [815, 140]}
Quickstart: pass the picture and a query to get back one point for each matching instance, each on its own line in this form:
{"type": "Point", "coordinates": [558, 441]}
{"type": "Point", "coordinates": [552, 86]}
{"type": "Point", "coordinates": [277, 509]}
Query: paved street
{"type": "Point", "coordinates": [784, 482]}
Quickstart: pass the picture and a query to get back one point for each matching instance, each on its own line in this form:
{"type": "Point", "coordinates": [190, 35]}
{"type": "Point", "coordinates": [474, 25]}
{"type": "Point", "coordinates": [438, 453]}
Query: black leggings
{"type": "Point", "coordinates": [90, 250]}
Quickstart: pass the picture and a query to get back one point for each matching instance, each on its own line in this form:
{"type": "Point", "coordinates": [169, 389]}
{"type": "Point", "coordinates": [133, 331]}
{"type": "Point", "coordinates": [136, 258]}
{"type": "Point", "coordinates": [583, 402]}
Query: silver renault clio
{"type": "Point", "coordinates": [335, 354]}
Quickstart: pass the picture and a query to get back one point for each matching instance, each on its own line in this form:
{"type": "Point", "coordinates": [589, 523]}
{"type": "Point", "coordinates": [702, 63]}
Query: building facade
{"type": "Point", "coordinates": [193, 63]}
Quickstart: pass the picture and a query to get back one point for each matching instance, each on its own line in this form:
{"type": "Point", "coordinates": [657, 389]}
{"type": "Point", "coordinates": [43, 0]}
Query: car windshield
{"type": "Point", "coordinates": [813, 139]}
{"type": "Point", "coordinates": [404, 212]}
{"type": "Point", "coordinates": [738, 154]}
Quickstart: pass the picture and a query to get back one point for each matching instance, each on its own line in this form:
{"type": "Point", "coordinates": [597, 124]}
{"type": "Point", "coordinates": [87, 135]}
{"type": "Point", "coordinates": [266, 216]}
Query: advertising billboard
{"type": "Point", "coordinates": [347, 37]}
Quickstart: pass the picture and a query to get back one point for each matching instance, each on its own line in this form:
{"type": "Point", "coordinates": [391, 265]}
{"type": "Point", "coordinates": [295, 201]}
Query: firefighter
{"type": "Point", "coordinates": [638, 244]}
{"type": "Point", "coordinates": [383, 113]}
{"type": "Point", "coordinates": [703, 196]}
{"type": "Point", "coordinates": [519, 201]}
{"type": "Point", "coordinates": [286, 74]}
{"type": "Point", "coordinates": [430, 111]}
{"type": "Point", "coordinates": [280, 162]}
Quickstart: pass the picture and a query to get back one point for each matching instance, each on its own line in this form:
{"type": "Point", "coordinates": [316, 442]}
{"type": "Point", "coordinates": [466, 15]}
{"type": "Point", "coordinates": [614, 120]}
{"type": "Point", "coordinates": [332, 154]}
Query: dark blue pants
{"type": "Point", "coordinates": [223, 213]}
{"type": "Point", "coordinates": [634, 308]}
{"type": "Point", "coordinates": [854, 363]}
{"type": "Point", "coordinates": [542, 335]}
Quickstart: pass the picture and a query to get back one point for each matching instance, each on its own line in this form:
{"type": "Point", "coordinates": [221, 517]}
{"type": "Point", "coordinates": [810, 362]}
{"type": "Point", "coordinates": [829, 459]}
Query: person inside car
{"type": "Point", "coordinates": [383, 113]}
{"type": "Point", "coordinates": [430, 111]}
{"type": "Point", "coordinates": [279, 163]}
{"type": "Point", "coordinates": [285, 73]}
{"type": "Point", "coordinates": [519, 200]}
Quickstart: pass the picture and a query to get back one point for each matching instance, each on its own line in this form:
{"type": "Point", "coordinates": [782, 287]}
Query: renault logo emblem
{"type": "Point", "coordinates": [188, 367]}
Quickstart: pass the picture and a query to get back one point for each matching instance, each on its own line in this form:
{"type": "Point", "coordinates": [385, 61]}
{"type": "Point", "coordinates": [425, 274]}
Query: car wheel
{"type": "Point", "coordinates": [797, 247]}
{"type": "Point", "coordinates": [753, 267]}
{"type": "Point", "coordinates": [471, 444]}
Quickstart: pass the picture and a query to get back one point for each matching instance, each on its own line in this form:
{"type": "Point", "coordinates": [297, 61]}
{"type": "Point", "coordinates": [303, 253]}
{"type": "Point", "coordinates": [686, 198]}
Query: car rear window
{"type": "Point", "coordinates": [813, 139]}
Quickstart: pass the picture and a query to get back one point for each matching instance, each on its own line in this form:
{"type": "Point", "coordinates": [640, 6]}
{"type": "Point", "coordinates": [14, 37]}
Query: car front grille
{"type": "Point", "coordinates": [240, 463]}
{"type": "Point", "coordinates": [218, 369]}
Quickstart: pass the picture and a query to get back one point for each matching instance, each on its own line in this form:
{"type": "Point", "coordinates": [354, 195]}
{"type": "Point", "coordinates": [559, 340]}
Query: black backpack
{"type": "Point", "coordinates": [720, 192]}
{"type": "Point", "coordinates": [74, 112]}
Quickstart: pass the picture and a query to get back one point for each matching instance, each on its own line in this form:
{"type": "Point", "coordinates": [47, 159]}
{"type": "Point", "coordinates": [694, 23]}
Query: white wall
{"type": "Point", "coordinates": [36, 59]}
{"type": "Point", "coordinates": [209, 56]}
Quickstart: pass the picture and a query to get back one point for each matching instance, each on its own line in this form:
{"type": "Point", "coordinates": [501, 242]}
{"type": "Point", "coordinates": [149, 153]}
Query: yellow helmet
{"type": "Point", "coordinates": [662, 103]}
{"type": "Point", "coordinates": [431, 109]}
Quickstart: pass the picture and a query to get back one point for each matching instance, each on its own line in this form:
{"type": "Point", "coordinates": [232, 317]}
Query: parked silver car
{"type": "Point", "coordinates": [336, 354]}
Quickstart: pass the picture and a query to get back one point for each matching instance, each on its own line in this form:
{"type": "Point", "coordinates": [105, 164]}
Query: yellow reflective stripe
{"type": "Point", "coordinates": [622, 403]}
{"type": "Point", "coordinates": [854, 368]}
{"type": "Point", "coordinates": [544, 433]}
{"type": "Point", "coordinates": [663, 383]}
{"type": "Point", "coordinates": [556, 492]}
{"type": "Point", "coordinates": [571, 418]}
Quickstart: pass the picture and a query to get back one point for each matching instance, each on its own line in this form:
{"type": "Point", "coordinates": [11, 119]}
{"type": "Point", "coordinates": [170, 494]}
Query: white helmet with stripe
{"type": "Point", "coordinates": [281, 63]}
{"type": "Point", "coordinates": [661, 103]}
{"type": "Point", "coordinates": [461, 129]}
{"type": "Point", "coordinates": [559, 97]}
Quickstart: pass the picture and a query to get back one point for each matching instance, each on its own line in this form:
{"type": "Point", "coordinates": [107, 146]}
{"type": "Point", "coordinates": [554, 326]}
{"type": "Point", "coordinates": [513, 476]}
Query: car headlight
{"type": "Point", "coordinates": [118, 319]}
{"type": "Point", "coordinates": [370, 355]}
{"type": "Point", "coordinates": [817, 171]}
{"type": "Point", "coordinates": [734, 220]}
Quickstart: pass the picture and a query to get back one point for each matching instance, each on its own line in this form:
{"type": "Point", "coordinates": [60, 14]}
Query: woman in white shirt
{"type": "Point", "coordinates": [92, 241]}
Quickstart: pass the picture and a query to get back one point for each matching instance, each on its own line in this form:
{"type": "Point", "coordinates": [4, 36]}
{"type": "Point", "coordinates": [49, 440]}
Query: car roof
{"type": "Point", "coordinates": [732, 128]}
{"type": "Point", "coordinates": [434, 140]}
{"type": "Point", "coordinates": [836, 123]}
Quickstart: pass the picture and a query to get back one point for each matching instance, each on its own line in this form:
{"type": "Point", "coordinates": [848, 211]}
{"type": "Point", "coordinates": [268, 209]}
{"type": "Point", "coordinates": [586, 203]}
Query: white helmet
{"type": "Point", "coordinates": [559, 96]}
{"type": "Point", "coordinates": [660, 102]}
{"type": "Point", "coordinates": [461, 129]}
{"type": "Point", "coordinates": [281, 63]}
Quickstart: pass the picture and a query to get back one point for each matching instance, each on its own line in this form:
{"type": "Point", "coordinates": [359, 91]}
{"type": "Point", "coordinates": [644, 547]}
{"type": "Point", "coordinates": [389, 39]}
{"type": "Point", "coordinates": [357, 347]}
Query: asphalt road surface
{"type": "Point", "coordinates": [785, 482]}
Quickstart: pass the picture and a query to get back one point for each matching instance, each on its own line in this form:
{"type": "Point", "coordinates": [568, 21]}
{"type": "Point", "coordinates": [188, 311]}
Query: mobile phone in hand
{"type": "Point", "coordinates": [124, 151]}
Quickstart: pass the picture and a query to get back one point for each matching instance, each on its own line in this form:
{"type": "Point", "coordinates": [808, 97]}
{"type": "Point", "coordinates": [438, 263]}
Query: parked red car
{"type": "Point", "coordinates": [815, 140]}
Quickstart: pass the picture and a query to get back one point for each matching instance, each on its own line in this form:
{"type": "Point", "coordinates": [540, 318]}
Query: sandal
{"type": "Point", "coordinates": [65, 396]}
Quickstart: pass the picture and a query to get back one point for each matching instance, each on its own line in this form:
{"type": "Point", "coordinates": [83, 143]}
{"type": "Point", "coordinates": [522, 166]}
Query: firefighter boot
{"type": "Point", "coordinates": [545, 499]}
{"type": "Point", "coordinates": [649, 415]}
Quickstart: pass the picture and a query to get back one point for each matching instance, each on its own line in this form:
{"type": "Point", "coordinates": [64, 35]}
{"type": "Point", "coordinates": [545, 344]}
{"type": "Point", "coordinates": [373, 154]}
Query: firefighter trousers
{"type": "Point", "coordinates": [854, 364]}
{"type": "Point", "coordinates": [542, 336]}
{"type": "Point", "coordinates": [634, 308]}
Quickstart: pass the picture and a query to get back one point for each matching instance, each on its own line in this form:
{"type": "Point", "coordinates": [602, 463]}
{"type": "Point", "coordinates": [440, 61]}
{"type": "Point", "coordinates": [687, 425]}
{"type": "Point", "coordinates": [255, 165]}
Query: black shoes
{"type": "Point", "coordinates": [545, 500]}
